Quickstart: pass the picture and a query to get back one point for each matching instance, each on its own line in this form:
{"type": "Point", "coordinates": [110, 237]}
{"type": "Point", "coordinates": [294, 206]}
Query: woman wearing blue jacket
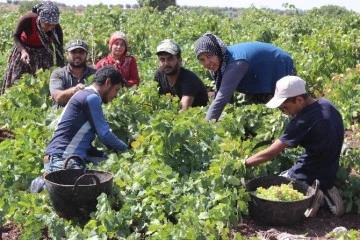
{"type": "Point", "coordinates": [251, 68]}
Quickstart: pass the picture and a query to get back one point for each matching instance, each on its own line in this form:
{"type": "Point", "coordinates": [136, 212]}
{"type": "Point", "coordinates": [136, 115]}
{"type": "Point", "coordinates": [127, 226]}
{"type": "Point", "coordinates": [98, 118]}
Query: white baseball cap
{"type": "Point", "coordinates": [169, 46]}
{"type": "Point", "coordinates": [286, 87]}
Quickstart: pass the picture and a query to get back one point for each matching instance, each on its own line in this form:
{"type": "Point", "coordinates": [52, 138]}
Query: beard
{"type": "Point", "coordinates": [171, 71]}
{"type": "Point", "coordinates": [77, 63]}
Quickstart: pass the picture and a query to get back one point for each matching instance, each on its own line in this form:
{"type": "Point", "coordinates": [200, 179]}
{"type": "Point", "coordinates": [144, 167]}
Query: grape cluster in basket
{"type": "Point", "coordinates": [284, 192]}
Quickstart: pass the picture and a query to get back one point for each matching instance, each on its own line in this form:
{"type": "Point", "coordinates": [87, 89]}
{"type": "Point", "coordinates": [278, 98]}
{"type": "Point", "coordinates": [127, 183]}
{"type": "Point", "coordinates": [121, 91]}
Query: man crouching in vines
{"type": "Point", "coordinates": [174, 79]}
{"type": "Point", "coordinates": [317, 126]}
{"type": "Point", "coordinates": [80, 120]}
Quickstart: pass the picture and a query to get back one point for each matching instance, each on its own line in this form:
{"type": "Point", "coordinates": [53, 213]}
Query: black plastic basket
{"type": "Point", "coordinates": [278, 212]}
{"type": "Point", "coordinates": [74, 192]}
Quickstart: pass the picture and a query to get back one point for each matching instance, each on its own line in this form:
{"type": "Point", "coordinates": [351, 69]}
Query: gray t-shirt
{"type": "Point", "coordinates": [62, 79]}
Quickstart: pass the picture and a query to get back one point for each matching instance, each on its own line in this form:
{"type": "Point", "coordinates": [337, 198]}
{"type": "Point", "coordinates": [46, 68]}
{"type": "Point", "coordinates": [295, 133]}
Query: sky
{"type": "Point", "coordinates": [274, 4]}
{"type": "Point", "coordinates": [353, 5]}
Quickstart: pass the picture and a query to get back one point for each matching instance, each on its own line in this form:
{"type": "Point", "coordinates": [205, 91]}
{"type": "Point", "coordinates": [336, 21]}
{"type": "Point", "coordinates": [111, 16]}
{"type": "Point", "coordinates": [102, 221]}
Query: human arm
{"type": "Point", "coordinates": [191, 90]}
{"type": "Point", "coordinates": [186, 102]}
{"type": "Point", "coordinates": [134, 78]}
{"type": "Point", "coordinates": [97, 120]}
{"type": "Point", "coordinates": [267, 154]}
{"type": "Point", "coordinates": [62, 97]}
{"type": "Point", "coordinates": [233, 74]}
{"type": "Point", "coordinates": [23, 25]}
{"type": "Point", "coordinates": [57, 88]}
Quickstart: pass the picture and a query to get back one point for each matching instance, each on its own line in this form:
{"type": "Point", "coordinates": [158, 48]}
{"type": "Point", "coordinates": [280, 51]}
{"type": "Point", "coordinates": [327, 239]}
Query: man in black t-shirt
{"type": "Point", "coordinates": [176, 80]}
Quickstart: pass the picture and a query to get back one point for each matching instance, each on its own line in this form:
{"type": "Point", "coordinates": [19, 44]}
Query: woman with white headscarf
{"type": "Point", "coordinates": [34, 35]}
{"type": "Point", "coordinates": [251, 68]}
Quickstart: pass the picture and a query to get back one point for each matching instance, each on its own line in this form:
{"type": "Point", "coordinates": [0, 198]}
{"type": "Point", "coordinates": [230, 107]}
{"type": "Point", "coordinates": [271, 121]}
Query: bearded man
{"type": "Point", "coordinates": [174, 79]}
{"type": "Point", "coordinates": [66, 81]}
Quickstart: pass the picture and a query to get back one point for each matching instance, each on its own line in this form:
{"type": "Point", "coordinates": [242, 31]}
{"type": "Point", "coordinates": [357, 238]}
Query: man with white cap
{"type": "Point", "coordinates": [174, 79]}
{"type": "Point", "coordinates": [317, 126]}
{"type": "Point", "coordinates": [66, 81]}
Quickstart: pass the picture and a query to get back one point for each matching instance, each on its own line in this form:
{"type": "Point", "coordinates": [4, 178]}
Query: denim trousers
{"type": "Point", "coordinates": [56, 163]}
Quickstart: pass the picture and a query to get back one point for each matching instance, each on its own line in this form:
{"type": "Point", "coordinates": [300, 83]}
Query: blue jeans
{"type": "Point", "coordinates": [56, 163]}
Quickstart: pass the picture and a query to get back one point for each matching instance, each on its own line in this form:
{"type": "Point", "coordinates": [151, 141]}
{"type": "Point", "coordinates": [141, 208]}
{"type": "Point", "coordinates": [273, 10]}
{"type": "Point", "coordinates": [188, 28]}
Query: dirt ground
{"type": "Point", "coordinates": [309, 229]}
{"type": "Point", "coordinates": [5, 134]}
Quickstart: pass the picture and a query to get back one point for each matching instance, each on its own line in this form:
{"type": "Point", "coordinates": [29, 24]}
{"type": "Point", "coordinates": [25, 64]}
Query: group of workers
{"type": "Point", "coordinates": [265, 73]}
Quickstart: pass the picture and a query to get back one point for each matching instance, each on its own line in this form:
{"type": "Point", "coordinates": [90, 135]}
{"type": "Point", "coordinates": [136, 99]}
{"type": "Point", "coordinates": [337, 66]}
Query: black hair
{"type": "Point", "coordinates": [108, 72]}
{"type": "Point", "coordinates": [178, 55]}
{"type": "Point", "coordinates": [293, 99]}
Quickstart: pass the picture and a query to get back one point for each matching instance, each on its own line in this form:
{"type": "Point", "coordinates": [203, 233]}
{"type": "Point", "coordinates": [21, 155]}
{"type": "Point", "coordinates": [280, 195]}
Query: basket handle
{"type": "Point", "coordinates": [82, 161]}
{"type": "Point", "coordinates": [316, 187]}
{"type": "Point", "coordinates": [93, 176]}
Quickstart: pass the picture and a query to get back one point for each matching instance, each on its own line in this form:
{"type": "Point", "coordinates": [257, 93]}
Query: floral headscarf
{"type": "Point", "coordinates": [48, 13]}
{"type": "Point", "coordinates": [210, 43]}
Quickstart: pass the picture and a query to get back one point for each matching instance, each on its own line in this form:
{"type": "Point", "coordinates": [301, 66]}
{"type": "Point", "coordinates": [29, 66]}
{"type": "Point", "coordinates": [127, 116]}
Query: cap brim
{"type": "Point", "coordinates": [275, 102]}
{"type": "Point", "coordinates": [166, 51]}
{"type": "Point", "coordinates": [77, 47]}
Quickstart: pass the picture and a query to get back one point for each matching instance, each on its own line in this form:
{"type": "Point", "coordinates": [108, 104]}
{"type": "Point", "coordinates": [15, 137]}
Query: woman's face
{"type": "Point", "coordinates": [118, 48]}
{"type": "Point", "coordinates": [47, 26]}
{"type": "Point", "coordinates": [209, 61]}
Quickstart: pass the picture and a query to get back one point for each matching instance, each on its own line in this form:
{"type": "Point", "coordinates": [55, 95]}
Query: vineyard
{"type": "Point", "coordinates": [184, 177]}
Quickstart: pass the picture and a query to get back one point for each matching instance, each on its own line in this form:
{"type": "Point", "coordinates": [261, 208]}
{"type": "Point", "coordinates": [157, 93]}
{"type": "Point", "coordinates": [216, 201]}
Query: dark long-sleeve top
{"type": "Point", "coordinates": [252, 68]}
{"type": "Point", "coordinates": [26, 34]}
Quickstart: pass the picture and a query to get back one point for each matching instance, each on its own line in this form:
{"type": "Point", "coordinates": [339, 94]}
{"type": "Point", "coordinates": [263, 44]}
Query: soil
{"type": "Point", "coordinates": [318, 227]}
{"type": "Point", "coordinates": [352, 139]}
{"type": "Point", "coordinates": [5, 134]}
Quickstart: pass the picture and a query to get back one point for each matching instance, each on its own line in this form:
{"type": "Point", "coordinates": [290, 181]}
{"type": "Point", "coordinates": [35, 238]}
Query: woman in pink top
{"type": "Point", "coordinates": [119, 57]}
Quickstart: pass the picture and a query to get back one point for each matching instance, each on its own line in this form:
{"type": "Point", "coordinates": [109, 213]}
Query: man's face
{"type": "Point", "coordinates": [77, 58]}
{"type": "Point", "coordinates": [110, 92]}
{"type": "Point", "coordinates": [292, 107]}
{"type": "Point", "coordinates": [169, 64]}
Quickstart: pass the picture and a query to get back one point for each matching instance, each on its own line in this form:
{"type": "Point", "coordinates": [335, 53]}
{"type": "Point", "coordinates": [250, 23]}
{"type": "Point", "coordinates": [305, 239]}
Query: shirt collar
{"type": "Point", "coordinates": [93, 88]}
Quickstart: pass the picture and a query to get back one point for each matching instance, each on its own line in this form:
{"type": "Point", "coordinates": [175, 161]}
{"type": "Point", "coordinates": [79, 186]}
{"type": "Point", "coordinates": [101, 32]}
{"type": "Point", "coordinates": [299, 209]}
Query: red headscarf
{"type": "Point", "coordinates": [118, 35]}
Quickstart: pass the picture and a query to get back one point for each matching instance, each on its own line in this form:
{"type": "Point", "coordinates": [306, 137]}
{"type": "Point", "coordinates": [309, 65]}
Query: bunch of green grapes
{"type": "Point", "coordinates": [284, 192]}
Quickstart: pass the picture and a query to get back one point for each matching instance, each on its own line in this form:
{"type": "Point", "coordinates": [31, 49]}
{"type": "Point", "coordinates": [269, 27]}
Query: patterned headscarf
{"type": "Point", "coordinates": [48, 12]}
{"type": "Point", "coordinates": [210, 43]}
